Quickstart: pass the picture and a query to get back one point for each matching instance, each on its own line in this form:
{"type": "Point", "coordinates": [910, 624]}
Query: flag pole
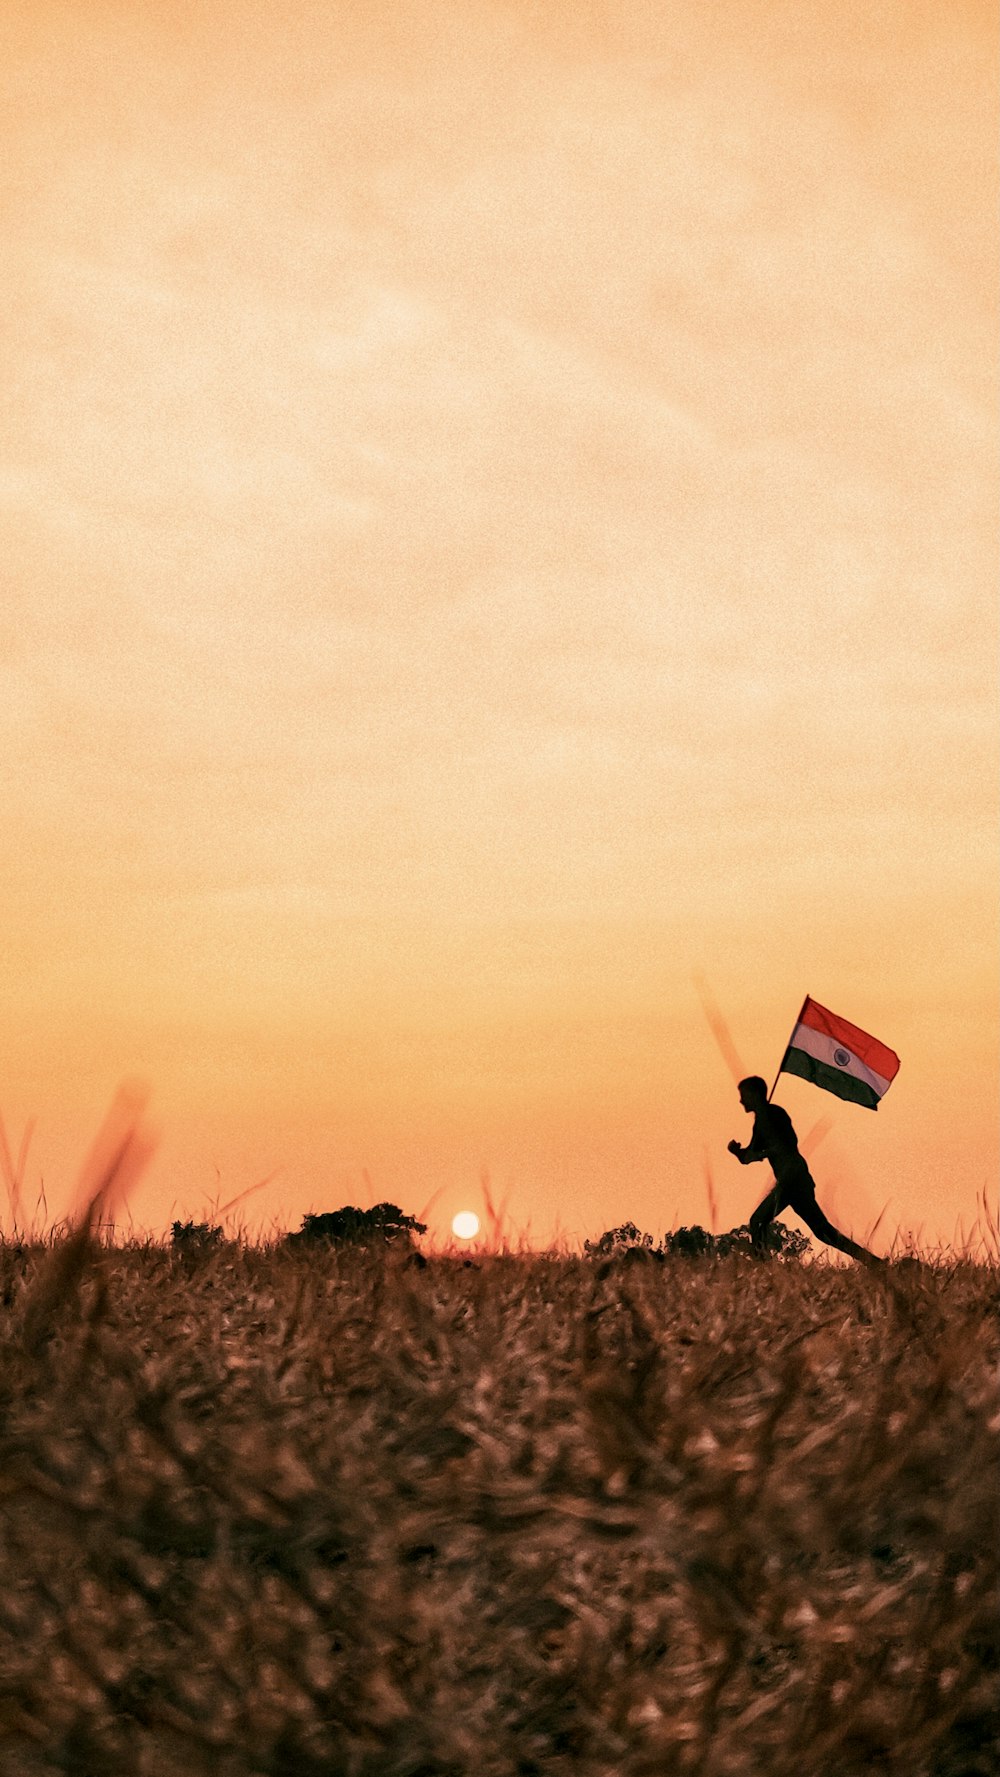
{"type": "Point", "coordinates": [777, 1076]}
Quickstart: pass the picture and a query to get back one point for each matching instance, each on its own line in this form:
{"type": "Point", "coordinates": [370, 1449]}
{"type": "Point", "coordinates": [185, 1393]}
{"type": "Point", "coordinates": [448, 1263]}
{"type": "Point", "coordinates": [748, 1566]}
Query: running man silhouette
{"type": "Point", "coordinates": [775, 1139]}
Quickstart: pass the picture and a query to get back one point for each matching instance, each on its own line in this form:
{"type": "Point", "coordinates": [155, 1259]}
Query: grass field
{"type": "Point", "coordinates": [315, 1514]}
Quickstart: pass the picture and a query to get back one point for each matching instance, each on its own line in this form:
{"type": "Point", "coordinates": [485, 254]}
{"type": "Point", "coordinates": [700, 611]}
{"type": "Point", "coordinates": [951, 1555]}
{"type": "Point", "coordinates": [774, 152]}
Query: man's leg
{"type": "Point", "coordinates": [764, 1215]}
{"type": "Point", "coordinates": [808, 1210]}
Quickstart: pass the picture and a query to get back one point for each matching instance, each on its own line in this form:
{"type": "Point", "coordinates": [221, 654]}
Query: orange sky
{"type": "Point", "coordinates": [498, 511]}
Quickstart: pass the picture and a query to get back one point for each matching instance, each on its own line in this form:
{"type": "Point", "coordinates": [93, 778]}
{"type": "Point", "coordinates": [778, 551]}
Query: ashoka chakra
{"type": "Point", "coordinates": [841, 1057]}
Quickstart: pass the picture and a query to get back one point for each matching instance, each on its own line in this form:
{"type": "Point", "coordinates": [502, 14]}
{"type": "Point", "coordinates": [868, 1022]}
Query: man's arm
{"type": "Point", "coordinates": [746, 1156]}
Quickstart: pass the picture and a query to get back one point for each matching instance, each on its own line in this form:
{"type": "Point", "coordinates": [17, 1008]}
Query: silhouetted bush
{"type": "Point", "coordinates": [628, 1242]}
{"type": "Point", "coordinates": [195, 1236]}
{"type": "Point", "coordinates": [616, 1241]}
{"type": "Point", "coordinates": [358, 1227]}
{"type": "Point", "coordinates": [784, 1243]}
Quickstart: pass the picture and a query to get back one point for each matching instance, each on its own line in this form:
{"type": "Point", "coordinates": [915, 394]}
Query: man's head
{"type": "Point", "coordinates": [753, 1092]}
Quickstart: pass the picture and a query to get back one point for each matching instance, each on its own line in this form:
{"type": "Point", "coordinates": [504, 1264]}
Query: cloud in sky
{"type": "Point", "coordinates": [499, 509]}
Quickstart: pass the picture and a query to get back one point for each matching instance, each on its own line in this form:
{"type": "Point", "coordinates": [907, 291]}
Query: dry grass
{"type": "Point", "coordinates": [312, 1514]}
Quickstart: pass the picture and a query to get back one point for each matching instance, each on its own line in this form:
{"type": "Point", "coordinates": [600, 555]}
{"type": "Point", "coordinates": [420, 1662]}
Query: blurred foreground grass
{"type": "Point", "coordinates": [320, 1514]}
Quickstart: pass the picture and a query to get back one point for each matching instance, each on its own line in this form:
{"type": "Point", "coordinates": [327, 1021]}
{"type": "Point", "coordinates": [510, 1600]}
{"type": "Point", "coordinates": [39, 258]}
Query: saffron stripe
{"type": "Point", "coordinates": [875, 1055]}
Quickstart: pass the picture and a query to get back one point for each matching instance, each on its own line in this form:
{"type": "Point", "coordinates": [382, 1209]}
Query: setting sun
{"type": "Point", "coordinates": [465, 1225]}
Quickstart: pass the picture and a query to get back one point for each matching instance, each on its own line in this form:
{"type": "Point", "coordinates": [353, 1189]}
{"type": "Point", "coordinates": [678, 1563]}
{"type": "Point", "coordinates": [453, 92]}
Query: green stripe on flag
{"type": "Point", "coordinates": [832, 1079]}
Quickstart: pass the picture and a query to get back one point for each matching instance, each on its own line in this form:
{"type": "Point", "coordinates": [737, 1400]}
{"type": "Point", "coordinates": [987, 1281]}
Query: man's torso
{"type": "Point", "coordinates": [774, 1135]}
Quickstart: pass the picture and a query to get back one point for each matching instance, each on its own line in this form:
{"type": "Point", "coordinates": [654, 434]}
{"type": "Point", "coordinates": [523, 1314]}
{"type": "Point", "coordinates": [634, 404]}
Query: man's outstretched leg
{"type": "Point", "coordinates": [808, 1211]}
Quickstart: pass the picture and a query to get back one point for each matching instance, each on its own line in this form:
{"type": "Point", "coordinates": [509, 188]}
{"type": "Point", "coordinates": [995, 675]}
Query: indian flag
{"type": "Point", "coordinates": [839, 1057]}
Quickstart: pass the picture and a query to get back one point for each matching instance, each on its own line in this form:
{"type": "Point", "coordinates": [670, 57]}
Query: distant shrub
{"type": "Point", "coordinates": [195, 1236]}
{"type": "Point", "coordinates": [690, 1243]}
{"type": "Point", "coordinates": [359, 1227]}
{"type": "Point", "coordinates": [696, 1242]}
{"type": "Point", "coordinates": [616, 1241]}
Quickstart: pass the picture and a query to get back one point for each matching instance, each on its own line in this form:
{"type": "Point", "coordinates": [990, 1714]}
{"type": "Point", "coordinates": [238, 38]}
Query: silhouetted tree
{"type": "Point", "coordinates": [358, 1227]}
